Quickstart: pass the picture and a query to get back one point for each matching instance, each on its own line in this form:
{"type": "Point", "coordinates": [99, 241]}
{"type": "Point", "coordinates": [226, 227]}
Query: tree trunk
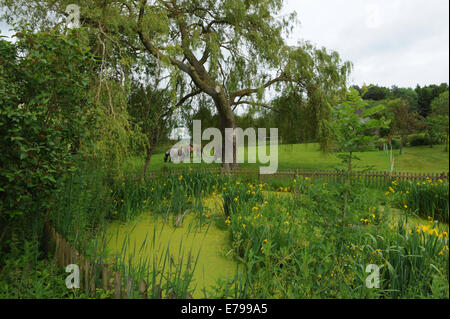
{"type": "Point", "coordinates": [153, 139]}
{"type": "Point", "coordinates": [401, 146]}
{"type": "Point", "coordinates": [148, 156]}
{"type": "Point", "coordinates": [446, 144]}
{"type": "Point", "coordinates": [227, 120]}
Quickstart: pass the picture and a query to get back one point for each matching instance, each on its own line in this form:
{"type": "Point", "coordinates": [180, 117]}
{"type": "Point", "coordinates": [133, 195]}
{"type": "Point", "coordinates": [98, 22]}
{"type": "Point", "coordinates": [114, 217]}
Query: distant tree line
{"type": "Point", "coordinates": [417, 116]}
{"type": "Point", "coordinates": [419, 99]}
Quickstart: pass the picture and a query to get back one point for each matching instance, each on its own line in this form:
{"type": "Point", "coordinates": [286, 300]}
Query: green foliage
{"type": "Point", "coordinates": [420, 140]}
{"type": "Point", "coordinates": [40, 131]}
{"type": "Point", "coordinates": [376, 93]}
{"type": "Point", "coordinates": [353, 127]}
{"type": "Point", "coordinates": [26, 277]}
{"type": "Point", "coordinates": [438, 123]}
{"type": "Point", "coordinates": [426, 95]}
{"type": "Point", "coordinates": [438, 129]}
{"type": "Point", "coordinates": [439, 105]}
{"type": "Point", "coordinates": [428, 199]}
{"type": "Point", "coordinates": [402, 121]}
{"type": "Point", "coordinates": [413, 262]}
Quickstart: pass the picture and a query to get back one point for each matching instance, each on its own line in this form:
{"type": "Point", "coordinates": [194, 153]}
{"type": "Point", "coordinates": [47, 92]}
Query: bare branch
{"type": "Point", "coordinates": [187, 97]}
{"type": "Point", "coordinates": [236, 104]}
{"type": "Point", "coordinates": [247, 92]}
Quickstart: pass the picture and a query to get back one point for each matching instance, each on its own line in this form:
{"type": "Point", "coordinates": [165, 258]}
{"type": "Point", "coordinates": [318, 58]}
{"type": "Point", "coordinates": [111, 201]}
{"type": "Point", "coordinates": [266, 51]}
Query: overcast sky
{"type": "Point", "coordinates": [401, 42]}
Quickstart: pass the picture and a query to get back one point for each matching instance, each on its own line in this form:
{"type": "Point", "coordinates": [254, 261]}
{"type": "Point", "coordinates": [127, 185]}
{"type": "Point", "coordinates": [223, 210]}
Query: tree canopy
{"type": "Point", "coordinates": [229, 50]}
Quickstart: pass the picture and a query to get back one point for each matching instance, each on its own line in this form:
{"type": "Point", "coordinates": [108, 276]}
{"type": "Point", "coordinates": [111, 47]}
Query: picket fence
{"type": "Point", "coordinates": [92, 275]}
{"type": "Point", "coordinates": [372, 178]}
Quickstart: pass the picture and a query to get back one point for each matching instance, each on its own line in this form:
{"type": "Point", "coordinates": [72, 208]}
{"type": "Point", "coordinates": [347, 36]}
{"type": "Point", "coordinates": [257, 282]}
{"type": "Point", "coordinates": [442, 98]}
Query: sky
{"type": "Point", "coordinates": [390, 42]}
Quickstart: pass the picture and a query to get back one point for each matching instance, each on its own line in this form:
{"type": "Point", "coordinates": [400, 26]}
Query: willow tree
{"type": "Point", "coordinates": [229, 50]}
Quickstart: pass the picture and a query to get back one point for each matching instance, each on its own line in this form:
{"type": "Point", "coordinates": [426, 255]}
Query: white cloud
{"type": "Point", "coordinates": [401, 42]}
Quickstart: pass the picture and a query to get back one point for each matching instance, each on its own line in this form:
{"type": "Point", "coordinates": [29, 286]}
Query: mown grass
{"type": "Point", "coordinates": [308, 156]}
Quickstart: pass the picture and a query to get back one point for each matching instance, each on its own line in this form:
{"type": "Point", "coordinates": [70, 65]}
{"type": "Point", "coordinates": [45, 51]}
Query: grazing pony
{"type": "Point", "coordinates": [182, 153]}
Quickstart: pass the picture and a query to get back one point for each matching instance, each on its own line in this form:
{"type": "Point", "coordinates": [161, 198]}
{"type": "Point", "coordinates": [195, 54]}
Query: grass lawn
{"type": "Point", "coordinates": [308, 156]}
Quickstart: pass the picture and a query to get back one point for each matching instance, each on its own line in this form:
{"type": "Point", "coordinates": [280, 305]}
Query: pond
{"type": "Point", "coordinates": [150, 237]}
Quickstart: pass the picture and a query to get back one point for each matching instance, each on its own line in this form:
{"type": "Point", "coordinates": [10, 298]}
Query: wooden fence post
{"type": "Point", "coordinates": [117, 286]}
{"type": "Point", "coordinates": [129, 292]}
{"type": "Point", "coordinates": [143, 289]}
{"type": "Point", "coordinates": [86, 276]}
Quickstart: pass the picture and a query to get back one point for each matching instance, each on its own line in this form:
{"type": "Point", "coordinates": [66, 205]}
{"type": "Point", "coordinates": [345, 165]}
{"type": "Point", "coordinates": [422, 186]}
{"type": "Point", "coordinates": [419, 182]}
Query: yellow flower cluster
{"type": "Point", "coordinates": [391, 190]}
{"type": "Point", "coordinates": [428, 230]}
{"type": "Point", "coordinates": [376, 251]}
{"type": "Point", "coordinates": [442, 252]}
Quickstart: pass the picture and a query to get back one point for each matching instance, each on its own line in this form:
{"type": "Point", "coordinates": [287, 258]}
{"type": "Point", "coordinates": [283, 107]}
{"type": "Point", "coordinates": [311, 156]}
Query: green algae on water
{"type": "Point", "coordinates": [149, 237]}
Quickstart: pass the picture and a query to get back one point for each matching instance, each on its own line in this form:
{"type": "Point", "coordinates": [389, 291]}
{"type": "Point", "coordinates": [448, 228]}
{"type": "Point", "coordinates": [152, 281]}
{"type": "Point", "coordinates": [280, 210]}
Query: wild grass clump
{"type": "Point", "coordinates": [426, 199]}
{"type": "Point", "coordinates": [298, 244]}
{"type": "Point", "coordinates": [413, 262]}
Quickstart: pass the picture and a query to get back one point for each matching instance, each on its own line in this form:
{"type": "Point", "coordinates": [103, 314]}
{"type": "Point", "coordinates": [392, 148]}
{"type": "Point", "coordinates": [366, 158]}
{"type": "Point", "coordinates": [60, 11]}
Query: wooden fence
{"type": "Point", "coordinates": [92, 275]}
{"type": "Point", "coordinates": [372, 178]}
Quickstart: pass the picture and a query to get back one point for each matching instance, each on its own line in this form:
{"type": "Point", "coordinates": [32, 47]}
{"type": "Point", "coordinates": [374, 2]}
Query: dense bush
{"type": "Point", "coordinates": [422, 140]}
{"type": "Point", "coordinates": [43, 95]}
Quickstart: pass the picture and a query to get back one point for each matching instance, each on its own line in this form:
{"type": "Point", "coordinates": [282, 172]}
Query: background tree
{"type": "Point", "coordinates": [426, 95]}
{"type": "Point", "coordinates": [439, 122]}
{"type": "Point", "coordinates": [353, 126]}
{"type": "Point", "coordinates": [151, 110]}
{"type": "Point", "coordinates": [439, 105]}
{"type": "Point", "coordinates": [376, 93]}
{"type": "Point", "coordinates": [403, 122]}
{"type": "Point", "coordinates": [407, 94]}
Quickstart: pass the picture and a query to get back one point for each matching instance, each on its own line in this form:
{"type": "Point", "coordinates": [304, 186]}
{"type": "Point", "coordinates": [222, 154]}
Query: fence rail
{"type": "Point", "coordinates": [92, 275]}
{"type": "Point", "coordinates": [374, 178]}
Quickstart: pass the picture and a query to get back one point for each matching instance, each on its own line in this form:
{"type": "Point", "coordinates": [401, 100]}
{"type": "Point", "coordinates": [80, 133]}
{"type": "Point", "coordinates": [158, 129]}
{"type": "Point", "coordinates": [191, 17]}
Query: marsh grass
{"type": "Point", "coordinates": [426, 198]}
{"type": "Point", "coordinates": [289, 239]}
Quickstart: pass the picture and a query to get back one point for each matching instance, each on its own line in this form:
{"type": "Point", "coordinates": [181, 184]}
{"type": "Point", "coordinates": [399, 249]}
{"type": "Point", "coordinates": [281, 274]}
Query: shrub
{"type": "Point", "coordinates": [422, 140]}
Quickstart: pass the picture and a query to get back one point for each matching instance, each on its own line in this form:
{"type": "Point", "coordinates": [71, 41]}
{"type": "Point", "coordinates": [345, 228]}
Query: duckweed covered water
{"type": "Point", "coordinates": [151, 236]}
